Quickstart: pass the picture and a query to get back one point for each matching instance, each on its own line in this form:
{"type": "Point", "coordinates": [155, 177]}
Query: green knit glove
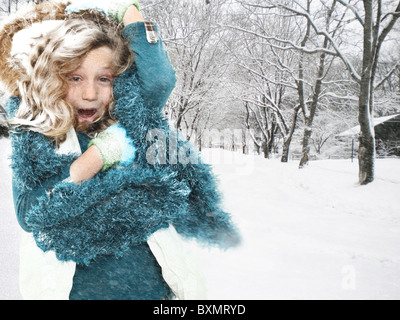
{"type": "Point", "coordinates": [115, 147]}
{"type": "Point", "coordinates": [114, 9]}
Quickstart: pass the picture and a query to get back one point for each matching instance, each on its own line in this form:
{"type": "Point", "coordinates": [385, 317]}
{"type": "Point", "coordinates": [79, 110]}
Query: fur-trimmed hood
{"type": "Point", "coordinates": [20, 32]}
{"type": "Point", "coordinates": [13, 42]}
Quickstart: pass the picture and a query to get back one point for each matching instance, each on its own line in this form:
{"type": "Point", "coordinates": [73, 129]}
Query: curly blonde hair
{"type": "Point", "coordinates": [43, 107]}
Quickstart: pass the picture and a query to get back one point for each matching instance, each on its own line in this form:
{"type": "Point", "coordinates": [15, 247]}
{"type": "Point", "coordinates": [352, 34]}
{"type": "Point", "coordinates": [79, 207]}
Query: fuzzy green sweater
{"type": "Point", "coordinates": [103, 224]}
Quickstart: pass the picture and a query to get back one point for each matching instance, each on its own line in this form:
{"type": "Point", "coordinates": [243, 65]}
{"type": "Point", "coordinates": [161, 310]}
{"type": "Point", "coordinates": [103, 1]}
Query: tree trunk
{"type": "Point", "coordinates": [288, 138]}
{"type": "Point", "coordinates": [306, 147]}
{"type": "Point", "coordinates": [265, 149]}
{"type": "Point", "coordinates": [316, 96]}
{"type": "Point", "coordinates": [285, 150]}
{"type": "Point", "coordinates": [366, 158]}
{"type": "Point", "coordinates": [366, 154]}
{"type": "Point", "coordinates": [310, 118]}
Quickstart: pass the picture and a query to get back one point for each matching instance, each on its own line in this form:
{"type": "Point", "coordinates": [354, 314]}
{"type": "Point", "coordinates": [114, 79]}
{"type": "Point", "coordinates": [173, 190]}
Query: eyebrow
{"type": "Point", "coordinates": [100, 70]}
{"type": "Point", "coordinates": [106, 70]}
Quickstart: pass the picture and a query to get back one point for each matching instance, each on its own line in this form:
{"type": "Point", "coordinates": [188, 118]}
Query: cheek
{"type": "Point", "coordinates": [70, 95]}
{"type": "Point", "coordinates": [106, 96]}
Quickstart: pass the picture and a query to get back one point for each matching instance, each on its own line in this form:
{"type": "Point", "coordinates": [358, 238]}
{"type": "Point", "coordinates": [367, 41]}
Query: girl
{"type": "Point", "coordinates": [79, 88]}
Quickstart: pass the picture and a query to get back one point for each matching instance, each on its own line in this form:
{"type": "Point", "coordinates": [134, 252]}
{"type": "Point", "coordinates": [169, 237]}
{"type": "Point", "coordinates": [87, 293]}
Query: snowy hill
{"type": "Point", "coordinates": [308, 234]}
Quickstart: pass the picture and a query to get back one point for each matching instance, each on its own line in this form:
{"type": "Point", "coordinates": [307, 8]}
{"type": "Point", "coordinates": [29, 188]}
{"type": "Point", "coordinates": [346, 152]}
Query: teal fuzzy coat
{"type": "Point", "coordinates": [119, 209]}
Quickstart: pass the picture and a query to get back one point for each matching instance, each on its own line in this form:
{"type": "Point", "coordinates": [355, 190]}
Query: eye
{"type": "Point", "coordinates": [74, 79]}
{"type": "Point", "coordinates": [105, 79]}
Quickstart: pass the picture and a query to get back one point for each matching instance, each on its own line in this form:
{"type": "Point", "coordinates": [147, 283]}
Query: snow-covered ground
{"type": "Point", "coordinates": [307, 234]}
{"type": "Point", "coordinates": [9, 230]}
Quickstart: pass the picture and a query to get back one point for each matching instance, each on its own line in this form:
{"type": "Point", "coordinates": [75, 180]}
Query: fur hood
{"type": "Point", "coordinates": [20, 31]}
{"type": "Point", "coordinates": [11, 67]}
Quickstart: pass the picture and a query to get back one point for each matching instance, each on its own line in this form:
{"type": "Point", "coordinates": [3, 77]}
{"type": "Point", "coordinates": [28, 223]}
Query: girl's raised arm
{"type": "Point", "coordinates": [154, 70]}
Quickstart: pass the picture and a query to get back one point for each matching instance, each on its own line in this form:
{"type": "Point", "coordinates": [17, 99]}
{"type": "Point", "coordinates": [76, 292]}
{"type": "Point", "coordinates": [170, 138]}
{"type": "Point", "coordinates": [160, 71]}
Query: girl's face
{"type": "Point", "coordinates": [90, 86]}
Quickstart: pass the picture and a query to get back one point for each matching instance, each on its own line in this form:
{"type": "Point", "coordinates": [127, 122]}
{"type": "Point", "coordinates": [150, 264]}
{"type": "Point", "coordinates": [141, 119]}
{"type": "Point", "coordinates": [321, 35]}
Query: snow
{"type": "Point", "coordinates": [356, 130]}
{"type": "Point", "coordinates": [9, 230]}
{"type": "Point", "coordinates": [313, 233]}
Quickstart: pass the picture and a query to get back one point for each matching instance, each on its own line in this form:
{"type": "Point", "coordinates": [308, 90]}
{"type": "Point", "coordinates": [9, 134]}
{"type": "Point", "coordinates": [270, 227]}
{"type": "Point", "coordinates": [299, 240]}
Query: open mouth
{"type": "Point", "coordinates": [87, 114]}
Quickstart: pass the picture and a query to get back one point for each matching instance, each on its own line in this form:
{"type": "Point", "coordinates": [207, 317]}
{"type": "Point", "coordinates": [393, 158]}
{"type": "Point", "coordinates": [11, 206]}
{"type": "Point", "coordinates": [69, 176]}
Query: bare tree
{"type": "Point", "coordinates": [375, 33]}
{"type": "Point", "coordinates": [285, 35]}
{"type": "Point", "coordinates": [376, 25]}
{"type": "Point", "coordinates": [265, 82]}
{"type": "Point", "coordinates": [192, 39]}
{"type": "Point", "coordinates": [309, 113]}
{"type": "Point", "coordinates": [377, 19]}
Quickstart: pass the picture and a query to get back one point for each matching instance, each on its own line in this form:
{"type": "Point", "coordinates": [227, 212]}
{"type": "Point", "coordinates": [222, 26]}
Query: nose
{"type": "Point", "coordinates": [89, 91]}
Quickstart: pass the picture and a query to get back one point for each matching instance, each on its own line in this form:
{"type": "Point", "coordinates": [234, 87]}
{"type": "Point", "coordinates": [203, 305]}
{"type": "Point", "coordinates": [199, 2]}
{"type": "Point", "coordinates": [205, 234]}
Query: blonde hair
{"type": "Point", "coordinates": [43, 108]}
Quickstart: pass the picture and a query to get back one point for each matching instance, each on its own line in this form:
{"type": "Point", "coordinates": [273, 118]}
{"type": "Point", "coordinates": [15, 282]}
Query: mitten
{"type": "Point", "coordinates": [115, 147]}
{"type": "Point", "coordinates": [114, 9]}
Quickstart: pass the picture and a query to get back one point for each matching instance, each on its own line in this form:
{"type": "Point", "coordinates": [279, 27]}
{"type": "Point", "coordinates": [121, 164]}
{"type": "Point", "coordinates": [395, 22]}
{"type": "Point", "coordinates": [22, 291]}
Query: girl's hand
{"type": "Point", "coordinates": [115, 9]}
{"type": "Point", "coordinates": [132, 15]}
{"type": "Point", "coordinates": [115, 147]}
{"type": "Point", "coordinates": [111, 147]}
